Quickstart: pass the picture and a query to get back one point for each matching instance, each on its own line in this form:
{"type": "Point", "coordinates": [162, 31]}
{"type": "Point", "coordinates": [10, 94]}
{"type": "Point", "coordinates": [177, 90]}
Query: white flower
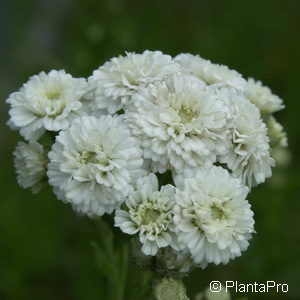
{"type": "Point", "coordinates": [30, 163]}
{"type": "Point", "coordinates": [262, 97]}
{"type": "Point", "coordinates": [179, 177]}
{"type": "Point", "coordinates": [250, 157]}
{"type": "Point", "coordinates": [276, 133]}
{"type": "Point", "coordinates": [209, 72]}
{"type": "Point", "coordinates": [180, 123]}
{"type": "Point", "coordinates": [149, 214]}
{"type": "Point", "coordinates": [94, 163]}
{"type": "Point", "coordinates": [46, 102]}
{"type": "Point", "coordinates": [114, 82]}
{"type": "Point", "coordinates": [212, 217]}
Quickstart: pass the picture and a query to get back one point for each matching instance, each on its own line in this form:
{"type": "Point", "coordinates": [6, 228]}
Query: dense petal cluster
{"type": "Point", "coordinates": [262, 97]}
{"type": "Point", "coordinates": [209, 72]}
{"type": "Point", "coordinates": [94, 163]}
{"type": "Point", "coordinates": [46, 102]}
{"type": "Point", "coordinates": [117, 80]}
{"type": "Point", "coordinates": [250, 157]}
{"type": "Point", "coordinates": [213, 219]}
{"type": "Point", "coordinates": [30, 162]}
{"type": "Point", "coordinates": [180, 123]}
{"type": "Point", "coordinates": [149, 213]}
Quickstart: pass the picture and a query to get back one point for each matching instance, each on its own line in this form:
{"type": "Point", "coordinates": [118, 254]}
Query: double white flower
{"type": "Point", "coordinates": [46, 102]}
{"type": "Point", "coordinates": [94, 164]}
{"type": "Point", "coordinates": [249, 157]}
{"type": "Point", "coordinates": [209, 72]}
{"type": "Point", "coordinates": [180, 122]}
{"type": "Point", "coordinates": [262, 97]}
{"type": "Point", "coordinates": [149, 213]}
{"type": "Point", "coordinates": [213, 220]}
{"type": "Point", "coordinates": [117, 80]}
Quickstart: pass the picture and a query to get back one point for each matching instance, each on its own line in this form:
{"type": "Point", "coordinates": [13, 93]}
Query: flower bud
{"type": "Point", "coordinates": [170, 288]}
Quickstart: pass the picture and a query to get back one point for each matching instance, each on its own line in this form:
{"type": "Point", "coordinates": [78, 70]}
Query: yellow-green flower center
{"type": "Point", "coordinates": [150, 216]}
{"type": "Point", "coordinates": [217, 212]}
{"type": "Point", "coordinates": [53, 95]}
{"type": "Point", "coordinates": [88, 157]}
{"type": "Point", "coordinates": [187, 114]}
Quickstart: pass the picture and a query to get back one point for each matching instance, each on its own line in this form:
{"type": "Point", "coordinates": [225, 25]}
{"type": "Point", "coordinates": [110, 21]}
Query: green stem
{"type": "Point", "coordinates": [123, 272]}
{"type": "Point", "coordinates": [112, 259]}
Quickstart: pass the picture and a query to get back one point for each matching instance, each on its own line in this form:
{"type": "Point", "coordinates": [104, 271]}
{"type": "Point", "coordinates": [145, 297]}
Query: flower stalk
{"type": "Point", "coordinates": [112, 256]}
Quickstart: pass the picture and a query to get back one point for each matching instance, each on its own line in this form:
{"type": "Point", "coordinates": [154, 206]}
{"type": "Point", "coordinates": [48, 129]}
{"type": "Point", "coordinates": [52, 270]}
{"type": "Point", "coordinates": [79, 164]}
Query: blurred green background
{"type": "Point", "coordinates": [45, 250]}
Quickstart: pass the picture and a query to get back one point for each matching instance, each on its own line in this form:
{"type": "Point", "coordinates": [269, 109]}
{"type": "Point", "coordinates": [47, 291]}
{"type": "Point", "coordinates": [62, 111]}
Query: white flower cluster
{"type": "Point", "coordinates": [171, 146]}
